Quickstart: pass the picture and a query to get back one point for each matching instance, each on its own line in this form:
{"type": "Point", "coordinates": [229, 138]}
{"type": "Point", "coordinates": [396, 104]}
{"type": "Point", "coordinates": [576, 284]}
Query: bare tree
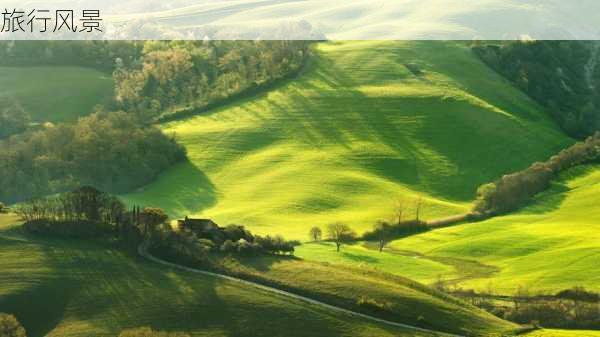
{"type": "Point", "coordinates": [315, 233]}
{"type": "Point", "coordinates": [400, 209]}
{"type": "Point", "coordinates": [340, 233]}
{"type": "Point", "coordinates": [382, 230]}
{"type": "Point", "coordinates": [418, 208]}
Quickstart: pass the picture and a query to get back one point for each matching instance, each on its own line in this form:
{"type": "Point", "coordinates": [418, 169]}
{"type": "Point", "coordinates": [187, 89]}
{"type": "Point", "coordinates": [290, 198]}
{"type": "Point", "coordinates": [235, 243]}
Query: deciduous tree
{"type": "Point", "coordinates": [315, 233]}
{"type": "Point", "coordinates": [340, 234]}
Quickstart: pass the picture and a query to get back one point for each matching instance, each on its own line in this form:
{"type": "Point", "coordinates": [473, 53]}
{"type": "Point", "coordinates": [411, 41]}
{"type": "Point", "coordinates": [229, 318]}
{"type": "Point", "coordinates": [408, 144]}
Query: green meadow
{"type": "Point", "coordinates": [75, 288]}
{"type": "Point", "coordinates": [366, 124]}
{"type": "Point", "coordinates": [546, 247]}
{"type": "Point", "coordinates": [551, 245]}
{"type": "Point", "coordinates": [78, 288]}
{"type": "Point", "coordinates": [55, 93]}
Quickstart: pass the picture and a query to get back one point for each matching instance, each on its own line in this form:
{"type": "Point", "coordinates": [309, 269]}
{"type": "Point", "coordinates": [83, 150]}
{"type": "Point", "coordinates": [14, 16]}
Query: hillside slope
{"type": "Point", "coordinates": [549, 246]}
{"type": "Point", "coordinates": [78, 288]}
{"type": "Point", "coordinates": [59, 288]}
{"type": "Point", "coordinates": [367, 123]}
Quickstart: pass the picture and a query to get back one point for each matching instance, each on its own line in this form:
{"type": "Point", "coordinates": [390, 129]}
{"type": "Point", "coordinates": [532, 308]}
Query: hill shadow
{"type": "Point", "coordinates": [183, 190]}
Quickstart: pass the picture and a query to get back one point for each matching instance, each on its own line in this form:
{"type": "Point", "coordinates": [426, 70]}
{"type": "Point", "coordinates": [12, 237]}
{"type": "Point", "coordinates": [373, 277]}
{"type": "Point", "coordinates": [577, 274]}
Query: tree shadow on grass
{"type": "Point", "coordinates": [359, 258]}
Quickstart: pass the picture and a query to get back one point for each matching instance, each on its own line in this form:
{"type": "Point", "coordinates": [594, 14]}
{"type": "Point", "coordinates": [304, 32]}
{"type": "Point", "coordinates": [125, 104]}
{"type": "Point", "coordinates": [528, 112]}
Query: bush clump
{"type": "Point", "coordinates": [10, 326]}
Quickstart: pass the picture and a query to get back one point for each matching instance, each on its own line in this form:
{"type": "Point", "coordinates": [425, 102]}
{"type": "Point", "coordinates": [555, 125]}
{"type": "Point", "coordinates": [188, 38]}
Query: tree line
{"type": "Point", "coordinates": [573, 308]}
{"type": "Point", "coordinates": [120, 150]}
{"type": "Point", "coordinates": [514, 190]}
{"type": "Point", "coordinates": [383, 232]}
{"type": "Point", "coordinates": [108, 150]}
{"type": "Point", "coordinates": [561, 75]}
{"type": "Point", "coordinates": [191, 247]}
{"type": "Point", "coordinates": [172, 75]}
{"type": "Point", "coordinates": [90, 213]}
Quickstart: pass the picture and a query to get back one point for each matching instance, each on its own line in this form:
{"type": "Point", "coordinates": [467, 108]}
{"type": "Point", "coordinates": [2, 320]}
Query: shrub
{"type": "Point", "coordinates": [10, 327]}
{"type": "Point", "coordinates": [228, 246]}
{"type": "Point", "coordinates": [148, 332]}
{"type": "Point", "coordinates": [373, 304]}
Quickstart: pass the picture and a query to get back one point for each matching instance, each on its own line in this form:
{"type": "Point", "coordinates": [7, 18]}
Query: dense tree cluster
{"type": "Point", "coordinates": [13, 119]}
{"type": "Point", "coordinates": [515, 190]}
{"type": "Point", "coordinates": [118, 151]}
{"type": "Point", "coordinates": [175, 75]}
{"type": "Point", "coordinates": [561, 75]}
{"type": "Point", "coordinates": [110, 151]}
{"type": "Point", "coordinates": [193, 246]}
{"type": "Point", "coordinates": [575, 308]}
{"type": "Point", "coordinates": [102, 55]}
{"type": "Point", "coordinates": [82, 213]}
{"type": "Point", "coordinates": [88, 213]}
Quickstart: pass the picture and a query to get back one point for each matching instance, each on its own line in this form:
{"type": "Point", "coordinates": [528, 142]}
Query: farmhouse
{"type": "Point", "coordinates": [198, 226]}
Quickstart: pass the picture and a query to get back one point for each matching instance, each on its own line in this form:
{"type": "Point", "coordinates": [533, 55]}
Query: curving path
{"type": "Point", "coordinates": [142, 250]}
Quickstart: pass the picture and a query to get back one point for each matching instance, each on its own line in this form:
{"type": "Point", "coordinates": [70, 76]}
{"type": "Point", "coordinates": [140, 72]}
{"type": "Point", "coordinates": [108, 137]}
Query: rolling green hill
{"type": "Point", "coordinates": [77, 288]}
{"type": "Point", "coordinates": [61, 288]}
{"type": "Point", "coordinates": [549, 246]}
{"type": "Point", "coordinates": [55, 93]}
{"type": "Point", "coordinates": [367, 123]}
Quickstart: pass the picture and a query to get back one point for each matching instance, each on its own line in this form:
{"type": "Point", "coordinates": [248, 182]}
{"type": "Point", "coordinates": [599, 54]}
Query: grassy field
{"type": "Point", "coordinates": [55, 93]}
{"type": "Point", "coordinates": [60, 288]}
{"type": "Point", "coordinates": [398, 298]}
{"type": "Point", "coordinates": [366, 124]}
{"type": "Point", "coordinates": [551, 245]}
{"type": "Point", "coordinates": [364, 256]}
{"type": "Point", "coordinates": [563, 333]}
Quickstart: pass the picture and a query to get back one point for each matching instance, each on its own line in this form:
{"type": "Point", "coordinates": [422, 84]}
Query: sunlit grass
{"type": "Point", "coordinates": [74, 288]}
{"type": "Point", "coordinates": [355, 132]}
{"type": "Point", "coordinates": [549, 246]}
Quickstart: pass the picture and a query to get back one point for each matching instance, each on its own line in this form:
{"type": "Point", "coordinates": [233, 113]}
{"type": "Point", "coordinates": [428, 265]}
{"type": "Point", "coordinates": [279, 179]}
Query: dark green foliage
{"type": "Point", "coordinates": [150, 220]}
{"type": "Point", "coordinates": [384, 232]}
{"type": "Point", "coordinates": [82, 229]}
{"type": "Point", "coordinates": [10, 327]}
{"type": "Point", "coordinates": [13, 119]}
{"type": "Point", "coordinates": [148, 332]}
{"type": "Point", "coordinates": [236, 233]}
{"type": "Point", "coordinates": [561, 75]}
{"type": "Point", "coordinates": [515, 190]}
{"type": "Point", "coordinates": [82, 213]}
{"type": "Point", "coordinates": [579, 294]}
{"type": "Point", "coordinates": [108, 150]}
{"type": "Point", "coordinates": [175, 75]}
{"type": "Point", "coordinates": [194, 245]}
{"type": "Point", "coordinates": [574, 308]}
